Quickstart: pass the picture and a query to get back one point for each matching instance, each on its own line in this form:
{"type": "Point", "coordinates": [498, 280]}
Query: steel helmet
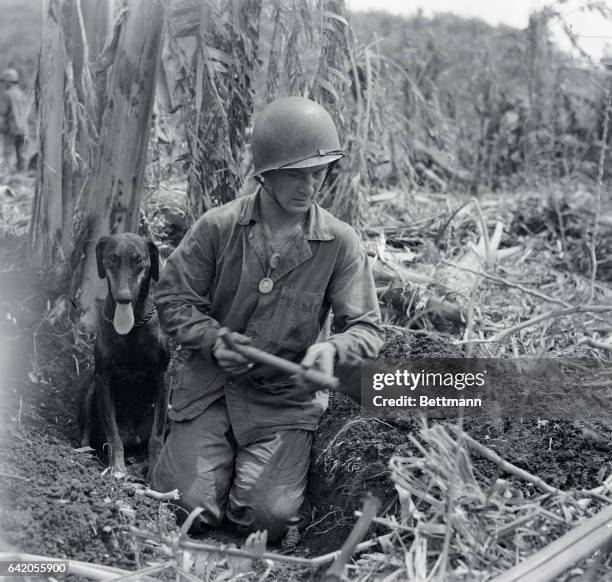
{"type": "Point", "coordinates": [294, 132]}
{"type": "Point", "coordinates": [10, 76]}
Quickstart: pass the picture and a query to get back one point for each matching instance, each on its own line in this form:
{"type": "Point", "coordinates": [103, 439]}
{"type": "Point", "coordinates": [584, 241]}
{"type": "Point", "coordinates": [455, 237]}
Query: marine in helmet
{"type": "Point", "coordinates": [13, 115]}
{"type": "Point", "coordinates": [270, 267]}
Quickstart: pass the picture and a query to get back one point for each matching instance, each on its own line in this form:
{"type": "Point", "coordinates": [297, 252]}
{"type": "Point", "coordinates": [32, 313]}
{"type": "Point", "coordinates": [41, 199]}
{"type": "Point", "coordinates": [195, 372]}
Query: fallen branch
{"type": "Point", "coordinates": [173, 495]}
{"type": "Point", "coordinates": [534, 320]}
{"type": "Point", "coordinates": [501, 281]}
{"type": "Point", "coordinates": [386, 271]}
{"type": "Point", "coordinates": [139, 489]}
{"type": "Point", "coordinates": [605, 487]}
{"type": "Point", "coordinates": [595, 344]}
{"type": "Point", "coordinates": [502, 464]}
{"type": "Point", "coordinates": [138, 574]}
{"type": "Point", "coordinates": [558, 557]}
{"type": "Point", "coordinates": [512, 526]}
{"type": "Point", "coordinates": [156, 537]}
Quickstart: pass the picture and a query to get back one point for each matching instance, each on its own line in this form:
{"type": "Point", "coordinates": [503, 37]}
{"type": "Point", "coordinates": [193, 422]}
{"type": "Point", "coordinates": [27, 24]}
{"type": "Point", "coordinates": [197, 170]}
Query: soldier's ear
{"type": "Point", "coordinates": [154, 258]}
{"type": "Point", "coordinates": [100, 245]}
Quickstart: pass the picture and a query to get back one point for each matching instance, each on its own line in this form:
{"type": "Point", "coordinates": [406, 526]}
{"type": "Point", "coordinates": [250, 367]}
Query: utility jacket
{"type": "Point", "coordinates": [212, 279]}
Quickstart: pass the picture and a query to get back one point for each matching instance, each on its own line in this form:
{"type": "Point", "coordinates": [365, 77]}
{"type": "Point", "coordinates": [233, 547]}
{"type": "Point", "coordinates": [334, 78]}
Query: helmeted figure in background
{"type": "Point", "coordinates": [13, 115]}
{"type": "Point", "coordinates": [269, 267]}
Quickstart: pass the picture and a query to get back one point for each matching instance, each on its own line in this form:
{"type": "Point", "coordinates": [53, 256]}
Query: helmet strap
{"type": "Point", "coordinates": [262, 184]}
{"type": "Point", "coordinates": [260, 181]}
{"type": "Point", "coordinates": [327, 173]}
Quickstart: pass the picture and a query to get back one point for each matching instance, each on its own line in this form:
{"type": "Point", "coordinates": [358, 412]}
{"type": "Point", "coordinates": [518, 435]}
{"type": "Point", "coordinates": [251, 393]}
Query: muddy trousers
{"type": "Point", "coordinates": [257, 486]}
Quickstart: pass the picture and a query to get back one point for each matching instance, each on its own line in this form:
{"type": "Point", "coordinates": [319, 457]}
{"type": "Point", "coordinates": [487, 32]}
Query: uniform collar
{"type": "Point", "coordinates": [316, 227]}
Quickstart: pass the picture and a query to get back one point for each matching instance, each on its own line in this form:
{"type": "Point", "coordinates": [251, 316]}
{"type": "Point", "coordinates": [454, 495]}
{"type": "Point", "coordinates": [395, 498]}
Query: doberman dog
{"type": "Point", "coordinates": [127, 402]}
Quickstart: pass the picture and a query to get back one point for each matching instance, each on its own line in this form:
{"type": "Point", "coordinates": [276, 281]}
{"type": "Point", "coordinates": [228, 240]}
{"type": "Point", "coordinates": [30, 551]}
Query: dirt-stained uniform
{"type": "Point", "coordinates": [241, 446]}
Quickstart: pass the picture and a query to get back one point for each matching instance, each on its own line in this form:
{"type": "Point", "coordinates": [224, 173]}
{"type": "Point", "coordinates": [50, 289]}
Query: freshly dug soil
{"type": "Point", "coordinates": [58, 502]}
{"type": "Point", "coordinates": [352, 450]}
{"type": "Point", "coordinates": [54, 501]}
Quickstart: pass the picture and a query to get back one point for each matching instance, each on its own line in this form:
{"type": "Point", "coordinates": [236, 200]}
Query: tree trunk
{"type": "Point", "coordinates": [94, 121]}
{"type": "Point", "coordinates": [67, 114]}
{"type": "Point", "coordinates": [46, 225]}
{"type": "Point", "coordinates": [113, 196]}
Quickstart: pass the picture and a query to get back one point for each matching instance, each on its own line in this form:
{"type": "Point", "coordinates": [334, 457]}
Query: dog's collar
{"type": "Point", "coordinates": [138, 323]}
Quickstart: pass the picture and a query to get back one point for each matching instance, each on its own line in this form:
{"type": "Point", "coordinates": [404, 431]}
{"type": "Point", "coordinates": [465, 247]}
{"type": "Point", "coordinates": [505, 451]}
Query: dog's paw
{"type": "Point", "coordinates": [119, 471]}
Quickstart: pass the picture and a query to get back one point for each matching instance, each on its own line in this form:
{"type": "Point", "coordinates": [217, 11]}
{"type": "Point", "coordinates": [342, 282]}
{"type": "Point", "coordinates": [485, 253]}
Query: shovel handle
{"type": "Point", "coordinates": [261, 357]}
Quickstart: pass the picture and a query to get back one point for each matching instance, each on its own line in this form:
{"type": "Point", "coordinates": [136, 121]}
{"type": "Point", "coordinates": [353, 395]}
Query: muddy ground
{"type": "Point", "coordinates": [59, 502]}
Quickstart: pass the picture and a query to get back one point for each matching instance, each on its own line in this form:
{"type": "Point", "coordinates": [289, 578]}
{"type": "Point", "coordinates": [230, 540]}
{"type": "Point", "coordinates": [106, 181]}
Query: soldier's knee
{"type": "Point", "coordinates": [275, 514]}
{"type": "Point", "coordinates": [195, 490]}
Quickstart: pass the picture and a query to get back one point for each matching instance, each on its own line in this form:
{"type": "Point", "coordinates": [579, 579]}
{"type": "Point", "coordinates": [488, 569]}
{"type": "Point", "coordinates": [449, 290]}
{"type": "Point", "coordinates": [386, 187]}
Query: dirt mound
{"type": "Point", "coordinates": [416, 346]}
{"type": "Point", "coordinates": [565, 454]}
{"type": "Point", "coordinates": [352, 450]}
{"type": "Point", "coordinates": [57, 504]}
{"type": "Point", "coordinates": [350, 456]}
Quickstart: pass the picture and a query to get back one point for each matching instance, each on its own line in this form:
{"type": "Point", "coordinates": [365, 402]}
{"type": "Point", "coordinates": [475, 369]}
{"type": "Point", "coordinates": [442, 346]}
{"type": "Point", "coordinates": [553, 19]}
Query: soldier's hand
{"type": "Point", "coordinates": [321, 357]}
{"type": "Point", "coordinates": [231, 361]}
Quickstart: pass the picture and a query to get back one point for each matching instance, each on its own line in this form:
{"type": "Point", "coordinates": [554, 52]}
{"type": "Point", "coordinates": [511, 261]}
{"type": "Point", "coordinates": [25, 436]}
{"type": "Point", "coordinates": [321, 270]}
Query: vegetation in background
{"type": "Point", "coordinates": [20, 38]}
{"type": "Point", "coordinates": [428, 104]}
{"type": "Point", "coordinates": [439, 104]}
{"type": "Point", "coordinates": [502, 106]}
{"type": "Point", "coordinates": [214, 47]}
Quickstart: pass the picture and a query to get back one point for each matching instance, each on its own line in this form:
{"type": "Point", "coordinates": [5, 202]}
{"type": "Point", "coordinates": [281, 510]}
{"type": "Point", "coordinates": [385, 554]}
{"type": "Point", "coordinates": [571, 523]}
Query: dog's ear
{"type": "Point", "coordinates": [100, 255]}
{"type": "Point", "coordinates": [154, 258]}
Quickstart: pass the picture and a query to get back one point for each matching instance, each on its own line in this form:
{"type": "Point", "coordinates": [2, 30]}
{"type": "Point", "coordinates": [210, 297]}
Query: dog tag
{"type": "Point", "coordinates": [266, 285]}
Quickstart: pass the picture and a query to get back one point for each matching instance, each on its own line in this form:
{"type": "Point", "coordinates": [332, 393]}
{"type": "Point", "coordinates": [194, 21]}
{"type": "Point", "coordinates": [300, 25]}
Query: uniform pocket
{"type": "Point", "coordinates": [295, 323]}
{"type": "Point", "coordinates": [200, 382]}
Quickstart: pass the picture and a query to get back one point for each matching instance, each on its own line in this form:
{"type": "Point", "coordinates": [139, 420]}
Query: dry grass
{"type": "Point", "coordinates": [455, 526]}
{"type": "Point", "coordinates": [531, 275]}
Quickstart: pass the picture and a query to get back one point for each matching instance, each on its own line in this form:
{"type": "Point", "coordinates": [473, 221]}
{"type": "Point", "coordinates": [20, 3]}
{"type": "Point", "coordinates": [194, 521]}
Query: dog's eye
{"type": "Point", "coordinates": [139, 260]}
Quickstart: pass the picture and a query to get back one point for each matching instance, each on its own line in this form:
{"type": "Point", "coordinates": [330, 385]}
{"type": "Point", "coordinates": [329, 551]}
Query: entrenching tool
{"type": "Point", "coordinates": [262, 357]}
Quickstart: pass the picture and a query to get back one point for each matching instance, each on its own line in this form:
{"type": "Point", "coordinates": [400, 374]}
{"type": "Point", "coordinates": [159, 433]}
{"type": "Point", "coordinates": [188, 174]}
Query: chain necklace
{"type": "Point", "coordinates": [267, 284]}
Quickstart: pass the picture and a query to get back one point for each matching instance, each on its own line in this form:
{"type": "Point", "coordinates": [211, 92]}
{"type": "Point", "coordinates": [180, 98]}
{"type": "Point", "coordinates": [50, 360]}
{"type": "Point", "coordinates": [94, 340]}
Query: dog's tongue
{"type": "Point", "coordinates": [124, 318]}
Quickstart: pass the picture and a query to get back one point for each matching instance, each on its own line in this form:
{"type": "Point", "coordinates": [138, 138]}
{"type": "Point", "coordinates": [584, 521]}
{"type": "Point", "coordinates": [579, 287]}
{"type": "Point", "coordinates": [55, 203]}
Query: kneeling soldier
{"type": "Point", "coordinates": [269, 267]}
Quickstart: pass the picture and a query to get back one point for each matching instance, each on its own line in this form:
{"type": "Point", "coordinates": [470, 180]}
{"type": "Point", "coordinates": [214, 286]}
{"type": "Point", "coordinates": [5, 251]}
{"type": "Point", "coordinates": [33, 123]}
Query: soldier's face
{"type": "Point", "coordinates": [296, 188]}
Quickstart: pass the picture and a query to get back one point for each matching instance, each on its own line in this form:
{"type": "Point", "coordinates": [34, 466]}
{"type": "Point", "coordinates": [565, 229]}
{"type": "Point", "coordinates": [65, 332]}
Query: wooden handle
{"type": "Point", "coordinates": [261, 357]}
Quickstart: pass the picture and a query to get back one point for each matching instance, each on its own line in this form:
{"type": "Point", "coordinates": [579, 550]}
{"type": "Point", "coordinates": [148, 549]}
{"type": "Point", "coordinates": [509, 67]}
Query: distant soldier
{"type": "Point", "coordinates": [13, 114]}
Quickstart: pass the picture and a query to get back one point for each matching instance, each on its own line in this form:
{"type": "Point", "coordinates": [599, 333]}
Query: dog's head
{"type": "Point", "coordinates": [128, 263]}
